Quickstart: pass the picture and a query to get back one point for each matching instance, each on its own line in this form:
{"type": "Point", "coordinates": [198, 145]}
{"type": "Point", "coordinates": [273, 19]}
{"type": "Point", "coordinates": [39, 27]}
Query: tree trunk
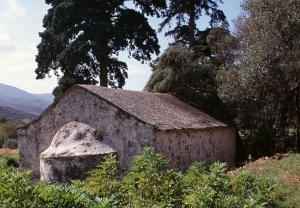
{"type": "Point", "coordinates": [103, 62]}
{"type": "Point", "coordinates": [191, 25]}
{"type": "Point", "coordinates": [103, 74]}
{"type": "Point", "coordinates": [103, 46]}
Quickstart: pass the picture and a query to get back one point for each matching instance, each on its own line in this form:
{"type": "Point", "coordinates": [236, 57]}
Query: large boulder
{"type": "Point", "coordinates": [75, 149]}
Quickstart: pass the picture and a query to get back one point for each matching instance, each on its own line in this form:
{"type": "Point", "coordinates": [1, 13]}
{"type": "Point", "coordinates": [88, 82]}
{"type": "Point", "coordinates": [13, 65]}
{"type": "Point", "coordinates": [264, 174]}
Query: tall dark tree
{"type": "Point", "coordinates": [186, 13]}
{"type": "Point", "coordinates": [82, 39]}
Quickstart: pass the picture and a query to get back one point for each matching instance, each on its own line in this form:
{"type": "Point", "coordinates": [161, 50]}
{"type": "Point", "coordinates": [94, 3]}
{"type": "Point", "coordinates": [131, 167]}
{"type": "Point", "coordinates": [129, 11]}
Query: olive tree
{"type": "Point", "coordinates": [264, 81]}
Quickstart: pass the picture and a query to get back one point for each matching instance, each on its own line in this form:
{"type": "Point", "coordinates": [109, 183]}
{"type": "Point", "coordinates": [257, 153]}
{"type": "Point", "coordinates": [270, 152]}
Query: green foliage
{"type": "Point", "coordinates": [15, 190]}
{"type": "Point", "coordinates": [3, 138]}
{"type": "Point", "coordinates": [263, 84]}
{"type": "Point", "coordinates": [3, 119]}
{"type": "Point", "coordinates": [8, 132]}
{"type": "Point", "coordinates": [205, 189]}
{"type": "Point", "coordinates": [67, 81]}
{"type": "Point", "coordinates": [151, 182]}
{"type": "Point", "coordinates": [252, 191]}
{"type": "Point", "coordinates": [65, 195]}
{"type": "Point", "coordinates": [189, 12]}
{"type": "Point", "coordinates": [11, 159]}
{"type": "Point", "coordinates": [214, 188]}
{"type": "Point", "coordinates": [84, 45]}
{"type": "Point", "coordinates": [284, 173]}
{"type": "Point", "coordinates": [104, 180]}
{"type": "Point", "coordinates": [189, 74]}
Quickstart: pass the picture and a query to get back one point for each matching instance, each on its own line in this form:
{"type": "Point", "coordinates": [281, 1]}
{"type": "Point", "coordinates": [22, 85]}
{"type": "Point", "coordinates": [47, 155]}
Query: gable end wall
{"type": "Point", "coordinates": [124, 133]}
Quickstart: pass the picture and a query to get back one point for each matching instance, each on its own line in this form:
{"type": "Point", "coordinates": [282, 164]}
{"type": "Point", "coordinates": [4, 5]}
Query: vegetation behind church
{"type": "Point", "coordinates": [249, 76]}
{"type": "Point", "coordinates": [8, 134]}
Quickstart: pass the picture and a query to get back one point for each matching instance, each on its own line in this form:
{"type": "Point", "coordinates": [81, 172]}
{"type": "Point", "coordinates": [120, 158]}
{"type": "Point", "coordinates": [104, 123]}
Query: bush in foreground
{"type": "Point", "coordinates": [151, 182]}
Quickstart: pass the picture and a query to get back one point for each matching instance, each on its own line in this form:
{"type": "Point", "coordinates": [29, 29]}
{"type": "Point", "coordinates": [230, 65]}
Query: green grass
{"type": "Point", "coordinates": [11, 156]}
{"type": "Point", "coordinates": [284, 173]}
{"type": "Point", "coordinates": [12, 159]}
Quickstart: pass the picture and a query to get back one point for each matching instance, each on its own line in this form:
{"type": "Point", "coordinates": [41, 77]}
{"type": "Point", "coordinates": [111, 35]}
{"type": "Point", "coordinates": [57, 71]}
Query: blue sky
{"type": "Point", "coordinates": [20, 22]}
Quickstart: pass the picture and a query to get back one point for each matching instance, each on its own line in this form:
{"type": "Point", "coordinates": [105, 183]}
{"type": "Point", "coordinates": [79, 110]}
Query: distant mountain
{"type": "Point", "coordinates": [47, 97]}
{"type": "Point", "coordinates": [14, 115]}
{"type": "Point", "coordinates": [23, 101]}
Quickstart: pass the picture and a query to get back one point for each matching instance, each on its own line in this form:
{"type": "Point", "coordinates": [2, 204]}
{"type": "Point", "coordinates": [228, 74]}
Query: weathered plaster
{"type": "Point", "coordinates": [184, 147]}
{"type": "Point", "coordinates": [124, 133]}
{"type": "Point", "coordinates": [75, 149]}
{"type": "Point", "coordinates": [129, 121]}
{"type": "Point", "coordinates": [64, 169]}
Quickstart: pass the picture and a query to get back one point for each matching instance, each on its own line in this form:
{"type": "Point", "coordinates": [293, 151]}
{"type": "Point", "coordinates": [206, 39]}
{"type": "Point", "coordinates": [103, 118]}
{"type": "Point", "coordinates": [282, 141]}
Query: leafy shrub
{"type": "Point", "coordinates": [104, 180]}
{"type": "Point", "coordinates": [203, 188]}
{"type": "Point", "coordinates": [7, 131]}
{"type": "Point", "coordinates": [3, 119]}
{"type": "Point", "coordinates": [214, 188]}
{"type": "Point", "coordinates": [2, 140]}
{"type": "Point", "coordinates": [252, 191]}
{"type": "Point", "coordinates": [10, 143]}
{"type": "Point", "coordinates": [151, 182]}
{"type": "Point", "coordinates": [15, 188]}
{"type": "Point", "coordinates": [11, 160]}
{"type": "Point", "coordinates": [63, 195]}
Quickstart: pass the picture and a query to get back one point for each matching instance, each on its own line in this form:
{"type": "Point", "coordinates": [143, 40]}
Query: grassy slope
{"type": "Point", "coordinates": [285, 173]}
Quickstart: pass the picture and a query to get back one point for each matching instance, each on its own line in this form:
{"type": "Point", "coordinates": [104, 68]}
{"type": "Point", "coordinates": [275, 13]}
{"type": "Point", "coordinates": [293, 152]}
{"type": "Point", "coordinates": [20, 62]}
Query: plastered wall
{"type": "Point", "coordinates": [183, 147]}
{"type": "Point", "coordinates": [122, 132]}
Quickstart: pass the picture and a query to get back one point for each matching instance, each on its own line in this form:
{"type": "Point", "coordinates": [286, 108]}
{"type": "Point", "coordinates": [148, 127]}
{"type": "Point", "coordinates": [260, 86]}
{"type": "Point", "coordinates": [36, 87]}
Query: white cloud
{"type": "Point", "coordinates": [12, 9]}
{"type": "Point", "coordinates": [5, 26]}
{"type": "Point", "coordinates": [136, 69]}
{"type": "Point", "coordinates": [17, 68]}
{"type": "Point", "coordinates": [6, 44]}
{"type": "Point", "coordinates": [138, 75]}
{"type": "Point", "coordinates": [4, 37]}
{"type": "Point", "coordinates": [2, 27]}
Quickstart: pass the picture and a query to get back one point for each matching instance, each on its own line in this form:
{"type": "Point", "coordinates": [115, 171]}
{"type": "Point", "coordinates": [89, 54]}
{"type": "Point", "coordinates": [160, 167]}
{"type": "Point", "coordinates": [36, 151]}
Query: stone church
{"type": "Point", "coordinates": [87, 122]}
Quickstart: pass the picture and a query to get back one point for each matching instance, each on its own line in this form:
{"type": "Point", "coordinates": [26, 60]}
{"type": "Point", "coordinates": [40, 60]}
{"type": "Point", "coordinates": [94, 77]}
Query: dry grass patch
{"type": "Point", "coordinates": [294, 180]}
{"type": "Point", "coordinates": [6, 151]}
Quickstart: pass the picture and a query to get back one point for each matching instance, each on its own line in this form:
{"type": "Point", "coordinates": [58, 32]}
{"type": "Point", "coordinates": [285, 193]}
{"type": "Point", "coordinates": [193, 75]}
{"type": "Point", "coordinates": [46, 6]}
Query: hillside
{"type": "Point", "coordinates": [14, 115]}
{"type": "Point", "coordinates": [46, 97]}
{"type": "Point", "coordinates": [23, 101]}
{"type": "Point", "coordinates": [284, 172]}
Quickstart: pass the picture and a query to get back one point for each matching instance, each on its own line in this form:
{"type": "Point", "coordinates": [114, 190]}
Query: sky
{"type": "Point", "coordinates": [20, 23]}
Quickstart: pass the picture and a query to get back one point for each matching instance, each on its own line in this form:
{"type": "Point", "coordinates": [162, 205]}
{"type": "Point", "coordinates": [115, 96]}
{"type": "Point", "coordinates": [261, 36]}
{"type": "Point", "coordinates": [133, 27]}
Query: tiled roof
{"type": "Point", "coordinates": [164, 111]}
